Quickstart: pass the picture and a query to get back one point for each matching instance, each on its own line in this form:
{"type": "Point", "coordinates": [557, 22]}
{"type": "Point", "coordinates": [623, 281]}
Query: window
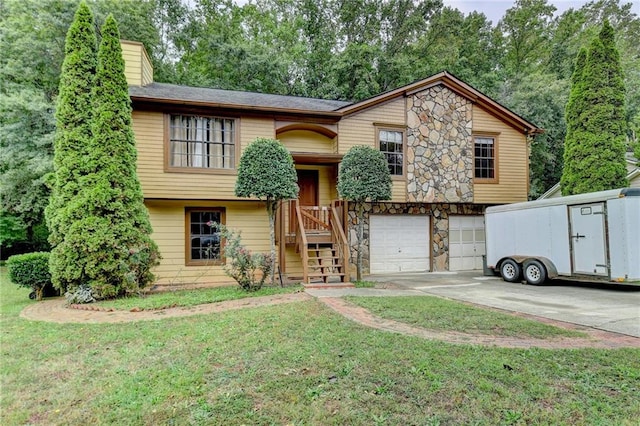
{"type": "Point", "coordinates": [203, 240]}
{"type": "Point", "coordinates": [391, 145]}
{"type": "Point", "coordinates": [485, 157]}
{"type": "Point", "coordinates": [201, 142]}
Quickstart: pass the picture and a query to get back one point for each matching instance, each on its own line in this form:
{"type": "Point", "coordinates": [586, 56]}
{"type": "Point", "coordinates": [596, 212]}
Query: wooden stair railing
{"type": "Point", "coordinates": [340, 240]}
{"type": "Point", "coordinates": [322, 244]}
{"type": "Point", "coordinates": [302, 244]}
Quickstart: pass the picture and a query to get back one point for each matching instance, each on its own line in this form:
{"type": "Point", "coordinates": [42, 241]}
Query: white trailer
{"type": "Point", "coordinates": [586, 237]}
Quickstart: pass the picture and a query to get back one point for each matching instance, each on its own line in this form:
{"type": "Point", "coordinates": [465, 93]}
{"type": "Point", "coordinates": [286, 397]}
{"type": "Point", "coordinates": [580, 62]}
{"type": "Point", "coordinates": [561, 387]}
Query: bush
{"type": "Point", "coordinates": [31, 270]}
{"type": "Point", "coordinates": [250, 270]}
{"type": "Point", "coordinates": [81, 294]}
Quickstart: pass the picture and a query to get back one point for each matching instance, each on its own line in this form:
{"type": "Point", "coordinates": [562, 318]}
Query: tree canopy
{"type": "Point", "coordinates": [363, 176]}
{"type": "Point", "coordinates": [266, 172]}
{"type": "Point", "coordinates": [594, 157]}
{"type": "Point", "coordinates": [73, 122]}
{"type": "Point", "coordinates": [346, 50]}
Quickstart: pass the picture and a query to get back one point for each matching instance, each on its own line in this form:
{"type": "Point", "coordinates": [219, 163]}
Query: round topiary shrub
{"type": "Point", "coordinates": [31, 270]}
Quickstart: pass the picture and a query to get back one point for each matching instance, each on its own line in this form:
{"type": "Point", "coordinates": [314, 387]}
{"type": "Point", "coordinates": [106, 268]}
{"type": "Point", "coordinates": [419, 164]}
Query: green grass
{"type": "Point", "coordinates": [190, 297]}
{"type": "Point", "coordinates": [293, 364]}
{"type": "Point", "coordinates": [364, 284]}
{"type": "Point", "coordinates": [440, 314]}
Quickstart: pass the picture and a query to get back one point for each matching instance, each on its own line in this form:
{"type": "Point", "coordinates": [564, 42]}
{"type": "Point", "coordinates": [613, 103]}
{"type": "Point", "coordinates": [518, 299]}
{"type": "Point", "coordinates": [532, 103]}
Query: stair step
{"type": "Point", "coordinates": [328, 285]}
{"type": "Point", "coordinates": [324, 266]}
{"type": "Point", "coordinates": [324, 258]}
{"type": "Point", "coordinates": [325, 274]}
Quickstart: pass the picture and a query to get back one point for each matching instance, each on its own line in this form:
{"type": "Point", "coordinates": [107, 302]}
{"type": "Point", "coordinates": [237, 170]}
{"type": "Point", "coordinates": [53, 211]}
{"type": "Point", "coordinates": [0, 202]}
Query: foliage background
{"type": "Point", "coordinates": [322, 48]}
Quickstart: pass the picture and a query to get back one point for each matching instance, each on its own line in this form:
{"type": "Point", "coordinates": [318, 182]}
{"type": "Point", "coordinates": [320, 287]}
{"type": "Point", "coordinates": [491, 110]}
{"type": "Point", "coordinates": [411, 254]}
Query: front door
{"type": "Point", "coordinates": [588, 239]}
{"type": "Point", "coordinates": [308, 195]}
{"type": "Point", "coordinates": [308, 183]}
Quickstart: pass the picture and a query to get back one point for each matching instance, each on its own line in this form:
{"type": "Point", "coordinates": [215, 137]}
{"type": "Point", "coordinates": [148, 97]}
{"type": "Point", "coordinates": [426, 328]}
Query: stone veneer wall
{"type": "Point", "coordinates": [439, 147]}
{"type": "Point", "coordinates": [439, 221]}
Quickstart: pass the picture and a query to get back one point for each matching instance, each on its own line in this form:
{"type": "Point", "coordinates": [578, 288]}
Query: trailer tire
{"type": "Point", "coordinates": [534, 272]}
{"type": "Point", "coordinates": [510, 271]}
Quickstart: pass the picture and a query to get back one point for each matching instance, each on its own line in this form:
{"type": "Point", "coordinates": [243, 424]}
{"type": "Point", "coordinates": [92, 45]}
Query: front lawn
{"type": "Point", "coordinates": [440, 314]}
{"type": "Point", "coordinates": [293, 364]}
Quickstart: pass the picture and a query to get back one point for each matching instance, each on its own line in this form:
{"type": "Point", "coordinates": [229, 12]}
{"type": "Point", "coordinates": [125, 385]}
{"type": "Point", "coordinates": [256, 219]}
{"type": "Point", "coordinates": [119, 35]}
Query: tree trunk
{"type": "Point", "coordinates": [272, 206]}
{"type": "Point", "coordinates": [39, 292]}
{"type": "Point", "coordinates": [360, 216]}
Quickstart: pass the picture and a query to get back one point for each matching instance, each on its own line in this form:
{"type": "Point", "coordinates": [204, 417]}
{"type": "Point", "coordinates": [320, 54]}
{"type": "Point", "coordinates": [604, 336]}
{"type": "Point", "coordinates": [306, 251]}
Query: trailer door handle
{"type": "Point", "coordinates": [577, 236]}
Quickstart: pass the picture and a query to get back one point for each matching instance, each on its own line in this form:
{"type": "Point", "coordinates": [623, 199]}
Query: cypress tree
{"type": "Point", "coordinates": [73, 131]}
{"type": "Point", "coordinates": [594, 157]}
{"type": "Point", "coordinates": [109, 245]}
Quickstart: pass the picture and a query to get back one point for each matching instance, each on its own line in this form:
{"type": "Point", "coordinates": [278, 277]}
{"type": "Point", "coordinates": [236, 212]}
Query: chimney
{"type": "Point", "coordinates": [137, 65]}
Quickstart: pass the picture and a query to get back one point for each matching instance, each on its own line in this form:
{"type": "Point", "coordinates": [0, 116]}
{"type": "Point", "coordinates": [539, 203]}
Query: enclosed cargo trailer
{"type": "Point", "coordinates": [586, 237]}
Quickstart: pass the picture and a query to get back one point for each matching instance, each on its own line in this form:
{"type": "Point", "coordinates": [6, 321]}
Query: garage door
{"type": "Point", "coordinates": [398, 243]}
{"type": "Point", "coordinates": [466, 242]}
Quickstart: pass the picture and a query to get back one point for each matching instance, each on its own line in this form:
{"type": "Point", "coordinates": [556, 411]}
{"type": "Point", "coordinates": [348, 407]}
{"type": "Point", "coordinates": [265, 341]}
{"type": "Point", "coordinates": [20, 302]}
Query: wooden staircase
{"type": "Point", "coordinates": [324, 263]}
{"type": "Point", "coordinates": [322, 244]}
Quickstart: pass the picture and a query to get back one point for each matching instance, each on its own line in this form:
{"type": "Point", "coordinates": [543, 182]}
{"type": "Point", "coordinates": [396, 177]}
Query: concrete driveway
{"type": "Point", "coordinates": [607, 307]}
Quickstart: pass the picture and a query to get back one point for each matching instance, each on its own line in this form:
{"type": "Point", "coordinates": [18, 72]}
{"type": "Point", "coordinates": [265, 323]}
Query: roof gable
{"type": "Point", "coordinates": [456, 85]}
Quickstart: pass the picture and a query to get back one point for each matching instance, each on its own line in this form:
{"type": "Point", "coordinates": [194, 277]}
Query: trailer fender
{"type": "Point", "coordinates": [552, 271]}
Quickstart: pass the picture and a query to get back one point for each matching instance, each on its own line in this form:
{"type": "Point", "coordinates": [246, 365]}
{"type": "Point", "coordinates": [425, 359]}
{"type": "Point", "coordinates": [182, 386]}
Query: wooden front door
{"type": "Point", "coordinates": [308, 183]}
{"type": "Point", "coordinates": [308, 195]}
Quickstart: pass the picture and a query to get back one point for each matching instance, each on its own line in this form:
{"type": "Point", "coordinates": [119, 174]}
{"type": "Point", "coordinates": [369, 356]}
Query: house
{"type": "Point", "coordinates": [633, 176]}
{"type": "Point", "coordinates": [452, 151]}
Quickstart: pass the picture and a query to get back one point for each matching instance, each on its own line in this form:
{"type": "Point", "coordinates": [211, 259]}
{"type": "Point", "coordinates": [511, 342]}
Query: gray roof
{"type": "Point", "coordinates": [233, 98]}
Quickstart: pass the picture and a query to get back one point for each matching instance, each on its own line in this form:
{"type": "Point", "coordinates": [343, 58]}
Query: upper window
{"type": "Point", "coordinates": [391, 145]}
{"type": "Point", "coordinates": [202, 142]}
{"type": "Point", "coordinates": [485, 157]}
{"type": "Point", "coordinates": [203, 239]}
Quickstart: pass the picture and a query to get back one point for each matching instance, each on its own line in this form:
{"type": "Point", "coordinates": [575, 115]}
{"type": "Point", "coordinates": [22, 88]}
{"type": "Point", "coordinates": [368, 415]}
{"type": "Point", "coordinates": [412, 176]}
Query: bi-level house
{"type": "Point", "coordinates": [452, 151]}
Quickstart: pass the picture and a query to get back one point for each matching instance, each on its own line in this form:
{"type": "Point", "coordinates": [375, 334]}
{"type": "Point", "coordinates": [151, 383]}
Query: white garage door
{"type": "Point", "coordinates": [398, 243]}
{"type": "Point", "coordinates": [466, 242]}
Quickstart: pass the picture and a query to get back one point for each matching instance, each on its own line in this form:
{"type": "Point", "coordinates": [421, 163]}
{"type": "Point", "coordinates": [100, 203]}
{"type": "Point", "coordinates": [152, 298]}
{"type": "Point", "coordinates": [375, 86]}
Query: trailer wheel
{"type": "Point", "coordinates": [510, 271]}
{"type": "Point", "coordinates": [535, 272]}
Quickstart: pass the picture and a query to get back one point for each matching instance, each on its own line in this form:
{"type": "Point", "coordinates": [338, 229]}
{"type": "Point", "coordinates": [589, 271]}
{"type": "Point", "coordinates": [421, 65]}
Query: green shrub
{"type": "Point", "coordinates": [31, 270]}
{"type": "Point", "coordinates": [250, 270]}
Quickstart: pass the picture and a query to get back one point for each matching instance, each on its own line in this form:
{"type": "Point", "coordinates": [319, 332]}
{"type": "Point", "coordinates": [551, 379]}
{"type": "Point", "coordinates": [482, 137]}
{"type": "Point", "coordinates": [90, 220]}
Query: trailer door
{"type": "Point", "coordinates": [588, 239]}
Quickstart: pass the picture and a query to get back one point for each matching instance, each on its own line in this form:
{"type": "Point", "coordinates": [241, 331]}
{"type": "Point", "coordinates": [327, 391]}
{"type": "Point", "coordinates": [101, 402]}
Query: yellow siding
{"type": "Point", "coordinates": [359, 129]}
{"type": "Point", "coordinates": [399, 191]}
{"type": "Point", "coordinates": [147, 68]}
{"type": "Point", "coordinates": [156, 183]}
{"type": "Point", "coordinates": [131, 52]}
{"type": "Point", "coordinates": [137, 64]}
{"type": "Point", "coordinates": [512, 162]}
{"type": "Point", "coordinates": [293, 261]}
{"type": "Point", "coordinates": [168, 222]}
{"type": "Point", "coordinates": [306, 141]}
{"type": "Point", "coordinates": [252, 128]}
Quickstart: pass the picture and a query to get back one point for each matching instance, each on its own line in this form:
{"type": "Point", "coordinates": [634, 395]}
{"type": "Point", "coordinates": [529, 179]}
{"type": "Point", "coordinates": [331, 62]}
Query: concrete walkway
{"type": "Point", "coordinates": [55, 310]}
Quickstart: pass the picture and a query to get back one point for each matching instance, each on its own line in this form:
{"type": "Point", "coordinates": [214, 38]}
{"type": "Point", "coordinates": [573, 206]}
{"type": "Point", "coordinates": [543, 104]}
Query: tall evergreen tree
{"type": "Point", "coordinates": [73, 116]}
{"type": "Point", "coordinates": [594, 157]}
{"type": "Point", "coordinates": [73, 129]}
{"type": "Point", "coordinates": [108, 245]}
